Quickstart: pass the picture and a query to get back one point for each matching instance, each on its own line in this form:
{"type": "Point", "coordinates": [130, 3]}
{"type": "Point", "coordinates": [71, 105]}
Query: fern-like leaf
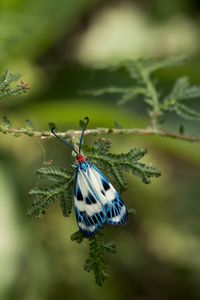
{"type": "Point", "coordinates": [10, 86]}
{"type": "Point", "coordinates": [102, 146]}
{"type": "Point", "coordinates": [97, 255]}
{"type": "Point", "coordinates": [127, 93]}
{"type": "Point", "coordinates": [182, 91]}
{"type": "Point", "coordinates": [186, 112]}
{"type": "Point", "coordinates": [77, 237]}
{"type": "Point", "coordinates": [54, 174]}
{"type": "Point", "coordinates": [152, 65]}
{"type": "Point", "coordinates": [66, 199]}
{"type": "Point", "coordinates": [43, 199]}
{"type": "Point", "coordinates": [144, 88]}
{"type": "Point", "coordinates": [116, 164]}
{"type": "Point", "coordinates": [62, 190]}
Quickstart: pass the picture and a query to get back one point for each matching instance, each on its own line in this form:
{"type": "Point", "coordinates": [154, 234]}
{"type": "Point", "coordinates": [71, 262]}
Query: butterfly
{"type": "Point", "coordinates": [96, 201]}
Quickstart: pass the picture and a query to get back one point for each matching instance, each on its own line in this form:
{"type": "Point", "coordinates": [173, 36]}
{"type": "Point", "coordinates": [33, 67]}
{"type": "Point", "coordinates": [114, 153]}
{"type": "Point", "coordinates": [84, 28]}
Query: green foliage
{"type": "Point", "coordinates": [29, 125]}
{"type": "Point", "coordinates": [59, 182]}
{"type": "Point", "coordinates": [96, 260]}
{"type": "Point", "coordinates": [115, 165]}
{"type": "Point", "coordinates": [62, 191]}
{"type": "Point", "coordinates": [61, 188]}
{"type": "Point", "coordinates": [10, 86]}
{"type": "Point", "coordinates": [98, 250]}
{"type": "Point", "coordinates": [27, 35]}
{"type": "Point", "coordinates": [6, 127]}
{"type": "Point", "coordinates": [54, 174]}
{"type": "Point", "coordinates": [77, 237]}
{"type": "Point", "coordinates": [6, 123]}
{"type": "Point", "coordinates": [52, 125]}
{"type": "Point", "coordinates": [181, 92]}
{"type": "Point", "coordinates": [145, 89]}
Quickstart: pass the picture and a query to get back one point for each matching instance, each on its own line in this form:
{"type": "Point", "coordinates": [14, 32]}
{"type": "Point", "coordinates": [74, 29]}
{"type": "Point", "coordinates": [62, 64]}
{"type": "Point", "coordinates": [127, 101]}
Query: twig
{"type": "Point", "coordinates": [103, 131]}
{"type": "Point", "coordinates": [153, 101]}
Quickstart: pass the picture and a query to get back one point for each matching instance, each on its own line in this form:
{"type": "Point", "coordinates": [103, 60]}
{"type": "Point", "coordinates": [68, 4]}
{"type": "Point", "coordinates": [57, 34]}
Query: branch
{"type": "Point", "coordinates": [152, 98]}
{"type": "Point", "coordinates": [102, 131]}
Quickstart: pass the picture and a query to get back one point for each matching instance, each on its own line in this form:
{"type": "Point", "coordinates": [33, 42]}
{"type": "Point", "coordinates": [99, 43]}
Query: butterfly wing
{"type": "Point", "coordinates": [96, 200]}
{"type": "Point", "coordinates": [90, 212]}
{"type": "Point", "coordinates": [116, 211]}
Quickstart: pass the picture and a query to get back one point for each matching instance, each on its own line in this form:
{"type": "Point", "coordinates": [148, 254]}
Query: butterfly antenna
{"type": "Point", "coordinates": [66, 143]}
{"type": "Point", "coordinates": [82, 133]}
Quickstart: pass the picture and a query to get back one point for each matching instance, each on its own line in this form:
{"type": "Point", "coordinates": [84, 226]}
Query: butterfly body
{"type": "Point", "coordinates": [95, 199]}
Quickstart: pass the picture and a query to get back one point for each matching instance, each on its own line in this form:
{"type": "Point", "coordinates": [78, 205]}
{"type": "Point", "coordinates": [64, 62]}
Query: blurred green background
{"type": "Point", "coordinates": [54, 45]}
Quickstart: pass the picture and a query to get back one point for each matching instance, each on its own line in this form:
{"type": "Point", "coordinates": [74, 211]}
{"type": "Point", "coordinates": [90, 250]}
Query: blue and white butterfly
{"type": "Point", "coordinates": [95, 199]}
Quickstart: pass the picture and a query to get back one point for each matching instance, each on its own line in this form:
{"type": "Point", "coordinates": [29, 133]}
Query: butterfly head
{"type": "Point", "coordinates": [80, 159]}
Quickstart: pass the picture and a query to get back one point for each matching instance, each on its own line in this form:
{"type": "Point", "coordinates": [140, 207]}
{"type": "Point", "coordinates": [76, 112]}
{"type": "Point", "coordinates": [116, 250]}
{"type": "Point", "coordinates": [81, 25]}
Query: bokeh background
{"type": "Point", "coordinates": [54, 45]}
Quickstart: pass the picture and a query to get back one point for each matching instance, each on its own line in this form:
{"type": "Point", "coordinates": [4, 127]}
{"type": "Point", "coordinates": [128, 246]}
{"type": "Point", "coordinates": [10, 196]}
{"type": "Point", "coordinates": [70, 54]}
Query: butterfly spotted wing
{"type": "Point", "coordinates": [96, 200]}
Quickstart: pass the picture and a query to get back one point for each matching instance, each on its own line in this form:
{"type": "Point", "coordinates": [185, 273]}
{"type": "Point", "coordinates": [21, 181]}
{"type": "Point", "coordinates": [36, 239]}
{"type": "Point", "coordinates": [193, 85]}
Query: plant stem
{"type": "Point", "coordinates": [103, 131]}
{"type": "Point", "coordinates": [154, 101]}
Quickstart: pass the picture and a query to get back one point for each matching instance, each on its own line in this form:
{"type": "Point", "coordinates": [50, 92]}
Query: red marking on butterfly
{"type": "Point", "coordinates": [80, 159]}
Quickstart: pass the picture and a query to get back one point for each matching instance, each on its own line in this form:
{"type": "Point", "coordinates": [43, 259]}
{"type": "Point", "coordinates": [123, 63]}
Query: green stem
{"type": "Point", "coordinates": [155, 112]}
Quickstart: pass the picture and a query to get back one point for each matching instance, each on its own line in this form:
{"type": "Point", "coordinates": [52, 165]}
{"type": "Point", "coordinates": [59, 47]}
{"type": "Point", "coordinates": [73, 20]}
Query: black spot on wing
{"type": "Point", "coordinates": [79, 213]}
{"type": "Point", "coordinates": [94, 220]}
{"type": "Point", "coordinates": [119, 202]}
{"type": "Point", "coordinates": [76, 213]}
{"type": "Point", "coordinates": [105, 184]}
{"type": "Point", "coordinates": [88, 233]}
{"type": "Point", "coordinates": [90, 199]}
{"type": "Point", "coordinates": [114, 211]}
{"type": "Point", "coordinates": [103, 192]}
{"type": "Point", "coordinates": [115, 208]}
{"type": "Point", "coordinates": [79, 195]}
{"type": "Point", "coordinates": [100, 217]}
{"type": "Point", "coordinates": [92, 223]}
